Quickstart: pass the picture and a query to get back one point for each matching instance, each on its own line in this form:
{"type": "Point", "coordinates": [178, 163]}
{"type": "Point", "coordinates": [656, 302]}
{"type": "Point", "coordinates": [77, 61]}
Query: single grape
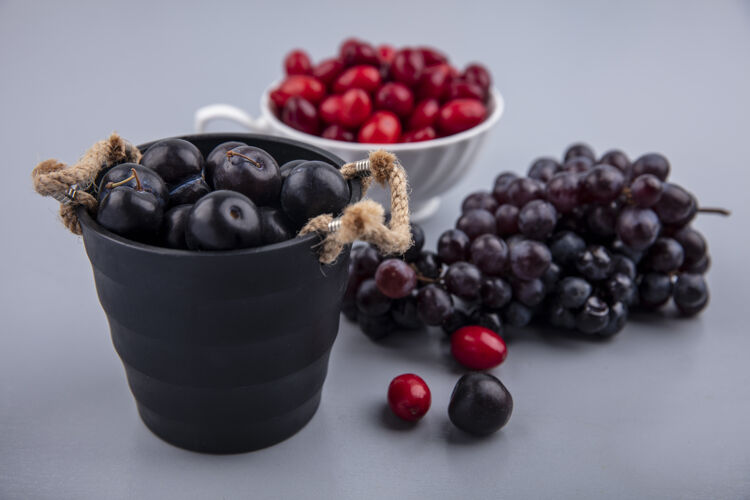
{"type": "Point", "coordinates": [602, 184]}
{"type": "Point", "coordinates": [404, 312]}
{"type": "Point", "coordinates": [551, 276]}
{"type": "Point", "coordinates": [490, 254]}
{"type": "Point", "coordinates": [529, 293]}
{"type": "Point", "coordinates": [506, 219]}
{"type": "Point", "coordinates": [365, 261]}
{"type": "Point", "coordinates": [433, 305]}
{"type": "Point", "coordinates": [453, 246]}
{"type": "Point", "coordinates": [675, 204]}
{"type": "Point", "coordinates": [638, 228]}
{"type": "Point", "coordinates": [595, 263]}
{"type": "Point", "coordinates": [562, 191]}
{"type": "Point", "coordinates": [621, 248]}
{"type": "Point", "coordinates": [455, 320]}
{"type": "Point", "coordinates": [579, 149]}
{"type": "Point", "coordinates": [594, 316]}
{"type": "Point", "coordinates": [572, 292]}
{"type": "Point", "coordinates": [623, 265]}
{"type": "Point", "coordinates": [529, 259]}
{"type": "Point", "coordinates": [601, 219]}
{"type": "Point", "coordinates": [522, 190]}
{"type": "Point", "coordinates": [395, 279]}
{"type": "Point", "coordinates": [370, 300]}
{"type": "Point", "coordinates": [428, 265]}
{"type": "Point", "coordinates": [479, 199]}
{"type": "Point", "coordinates": [565, 247]}
{"type": "Point", "coordinates": [537, 219]}
{"type": "Point", "coordinates": [690, 293]}
{"type": "Point", "coordinates": [618, 288]}
{"type": "Point", "coordinates": [694, 245]}
{"type": "Point", "coordinates": [476, 223]}
{"type": "Point", "coordinates": [654, 290]}
{"type": "Point", "coordinates": [463, 280]}
{"type": "Point", "coordinates": [488, 319]}
{"type": "Point", "coordinates": [618, 317]}
{"type": "Point", "coordinates": [665, 255]}
{"type": "Point", "coordinates": [652, 163]}
{"type": "Point", "coordinates": [517, 314]}
{"type": "Point", "coordinates": [561, 317]}
{"type": "Point", "coordinates": [617, 159]}
{"type": "Point", "coordinates": [376, 327]}
{"type": "Point", "coordinates": [502, 183]}
{"type": "Point", "coordinates": [646, 190]}
{"type": "Point", "coordinates": [417, 238]}
{"type": "Point", "coordinates": [495, 292]}
{"type": "Point", "coordinates": [543, 169]}
{"type": "Point", "coordinates": [700, 267]}
{"type": "Point", "coordinates": [578, 165]}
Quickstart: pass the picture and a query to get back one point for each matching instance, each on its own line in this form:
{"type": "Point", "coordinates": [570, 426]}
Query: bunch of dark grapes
{"type": "Point", "coordinates": [576, 244]}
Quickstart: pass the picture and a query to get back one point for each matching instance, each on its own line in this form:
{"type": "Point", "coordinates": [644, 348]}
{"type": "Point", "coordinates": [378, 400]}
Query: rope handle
{"type": "Point", "coordinates": [364, 220]}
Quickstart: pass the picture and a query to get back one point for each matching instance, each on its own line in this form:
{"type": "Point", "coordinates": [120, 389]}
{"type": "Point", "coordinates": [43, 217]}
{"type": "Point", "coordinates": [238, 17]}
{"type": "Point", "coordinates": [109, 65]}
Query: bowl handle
{"type": "Point", "coordinates": [214, 112]}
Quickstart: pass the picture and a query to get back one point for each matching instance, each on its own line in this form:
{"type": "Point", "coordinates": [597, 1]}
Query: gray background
{"type": "Point", "coordinates": [660, 412]}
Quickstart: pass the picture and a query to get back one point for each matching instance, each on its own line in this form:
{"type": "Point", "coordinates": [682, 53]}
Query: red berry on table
{"type": "Point", "coordinates": [301, 114]}
{"type": "Point", "coordinates": [419, 135]}
{"type": "Point", "coordinates": [479, 75]}
{"type": "Point", "coordinates": [338, 133]}
{"type": "Point", "coordinates": [386, 53]}
{"type": "Point", "coordinates": [432, 56]}
{"type": "Point", "coordinates": [396, 97]}
{"type": "Point", "coordinates": [304, 86]}
{"type": "Point", "coordinates": [435, 82]}
{"type": "Point", "coordinates": [356, 106]}
{"type": "Point", "coordinates": [409, 397]}
{"type": "Point", "coordinates": [362, 77]}
{"type": "Point", "coordinates": [460, 88]}
{"type": "Point", "coordinates": [395, 278]}
{"type": "Point", "coordinates": [330, 109]}
{"type": "Point", "coordinates": [425, 114]}
{"type": "Point", "coordinates": [327, 70]}
{"type": "Point", "coordinates": [478, 348]}
{"type": "Point", "coordinates": [382, 127]}
{"type": "Point", "coordinates": [461, 114]}
{"type": "Point", "coordinates": [297, 62]}
{"type": "Point", "coordinates": [407, 66]}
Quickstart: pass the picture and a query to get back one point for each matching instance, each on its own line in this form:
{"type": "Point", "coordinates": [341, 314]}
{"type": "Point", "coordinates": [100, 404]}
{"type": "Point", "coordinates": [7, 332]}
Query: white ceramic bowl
{"type": "Point", "coordinates": [433, 166]}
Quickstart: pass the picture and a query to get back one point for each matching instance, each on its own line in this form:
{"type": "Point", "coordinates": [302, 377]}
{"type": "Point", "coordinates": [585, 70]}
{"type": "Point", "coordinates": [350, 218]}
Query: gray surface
{"type": "Point", "coordinates": [660, 412]}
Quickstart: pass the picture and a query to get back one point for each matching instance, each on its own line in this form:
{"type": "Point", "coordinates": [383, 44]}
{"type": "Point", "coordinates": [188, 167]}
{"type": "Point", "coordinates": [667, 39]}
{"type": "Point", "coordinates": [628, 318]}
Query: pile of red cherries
{"type": "Point", "coordinates": [381, 95]}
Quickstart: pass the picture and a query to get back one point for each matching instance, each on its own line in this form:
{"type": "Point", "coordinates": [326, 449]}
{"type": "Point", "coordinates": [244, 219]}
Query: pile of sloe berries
{"type": "Point", "coordinates": [237, 197]}
{"type": "Point", "coordinates": [575, 244]}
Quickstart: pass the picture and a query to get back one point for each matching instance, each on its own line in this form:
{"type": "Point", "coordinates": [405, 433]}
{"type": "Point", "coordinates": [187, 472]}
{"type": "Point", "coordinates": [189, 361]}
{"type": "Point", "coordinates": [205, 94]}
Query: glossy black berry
{"type": "Point", "coordinates": [173, 226]}
{"type": "Point", "coordinates": [175, 160]}
{"type": "Point", "coordinates": [216, 158]}
{"type": "Point", "coordinates": [223, 220]}
{"type": "Point", "coordinates": [311, 189]}
{"type": "Point", "coordinates": [250, 171]}
{"type": "Point", "coordinates": [480, 404]}
{"type": "Point", "coordinates": [122, 174]}
{"type": "Point", "coordinates": [276, 226]}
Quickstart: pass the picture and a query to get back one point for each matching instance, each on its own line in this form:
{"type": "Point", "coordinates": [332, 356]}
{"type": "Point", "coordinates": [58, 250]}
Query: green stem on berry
{"type": "Point", "coordinates": [133, 176]}
{"type": "Point", "coordinates": [232, 153]}
{"type": "Point", "coordinates": [714, 210]}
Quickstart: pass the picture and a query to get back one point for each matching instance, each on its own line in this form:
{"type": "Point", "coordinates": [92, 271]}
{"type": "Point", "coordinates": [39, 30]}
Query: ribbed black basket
{"type": "Point", "coordinates": [224, 352]}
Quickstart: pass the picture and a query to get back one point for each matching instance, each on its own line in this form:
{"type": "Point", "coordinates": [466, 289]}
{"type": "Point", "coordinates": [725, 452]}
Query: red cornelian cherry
{"type": "Point", "coordinates": [358, 52]}
{"type": "Point", "coordinates": [297, 62]}
{"type": "Point", "coordinates": [435, 82]}
{"type": "Point", "coordinates": [396, 97]}
{"type": "Point", "coordinates": [478, 348]}
{"type": "Point", "coordinates": [407, 66]}
{"type": "Point", "coordinates": [460, 88]}
{"type": "Point", "coordinates": [409, 397]}
{"type": "Point", "coordinates": [328, 70]}
{"type": "Point", "coordinates": [383, 127]}
{"type": "Point", "coordinates": [356, 106]}
{"type": "Point", "coordinates": [301, 114]}
{"type": "Point", "coordinates": [425, 114]}
{"type": "Point", "coordinates": [362, 77]}
{"type": "Point", "coordinates": [478, 74]}
{"type": "Point", "coordinates": [330, 109]}
{"type": "Point", "coordinates": [386, 53]}
{"type": "Point", "coordinates": [419, 135]}
{"type": "Point", "coordinates": [461, 114]}
{"type": "Point", "coordinates": [432, 56]}
{"type": "Point", "coordinates": [308, 87]}
{"type": "Point", "coordinates": [337, 133]}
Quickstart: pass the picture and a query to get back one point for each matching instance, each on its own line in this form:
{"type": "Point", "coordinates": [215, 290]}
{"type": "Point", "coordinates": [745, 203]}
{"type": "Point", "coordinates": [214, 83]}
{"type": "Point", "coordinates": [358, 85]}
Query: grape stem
{"type": "Point", "coordinates": [714, 210]}
{"type": "Point", "coordinates": [423, 278]}
{"type": "Point", "coordinates": [232, 153]}
{"type": "Point", "coordinates": [133, 175]}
